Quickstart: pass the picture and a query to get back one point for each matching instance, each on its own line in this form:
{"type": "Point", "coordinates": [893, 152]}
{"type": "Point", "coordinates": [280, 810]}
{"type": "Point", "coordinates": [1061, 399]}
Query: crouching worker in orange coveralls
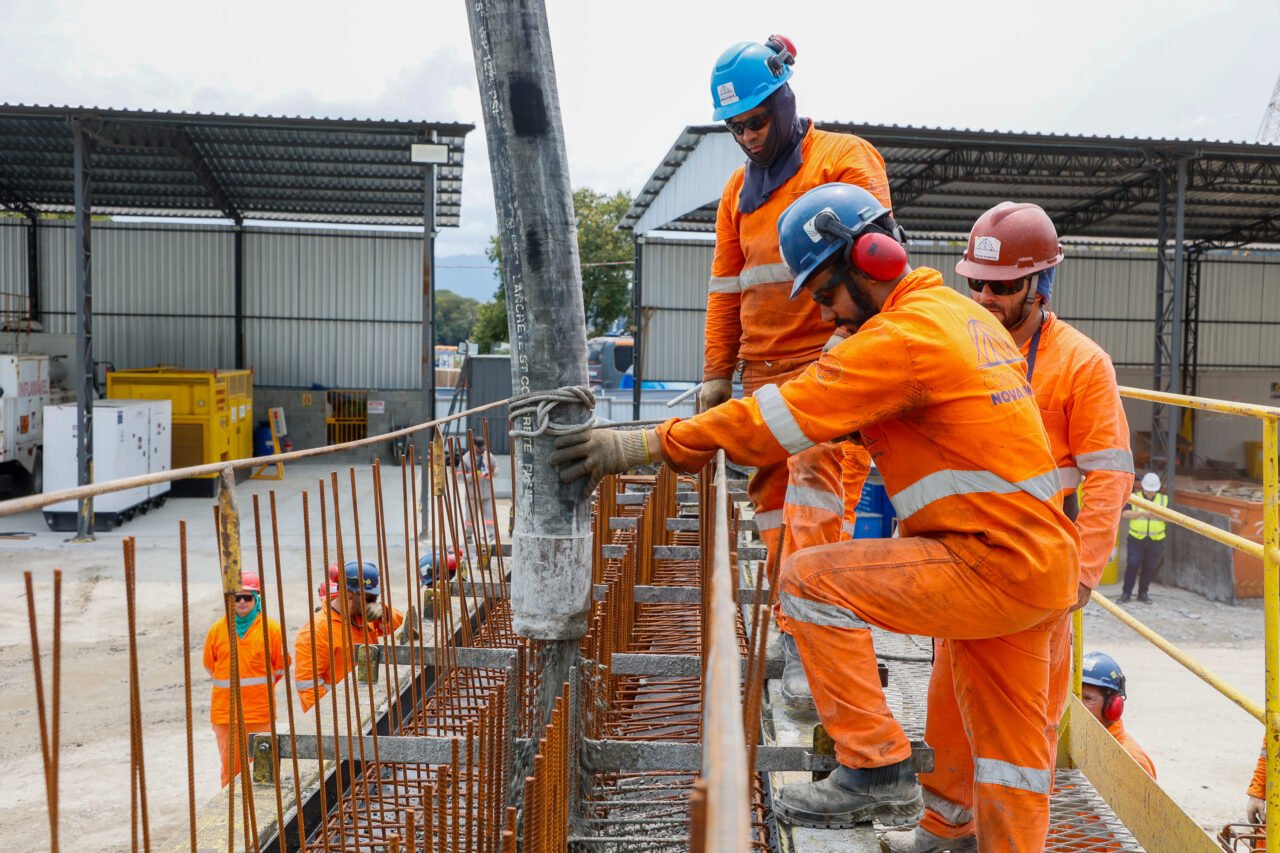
{"type": "Point", "coordinates": [258, 676]}
{"type": "Point", "coordinates": [938, 394]}
{"type": "Point", "coordinates": [321, 647]}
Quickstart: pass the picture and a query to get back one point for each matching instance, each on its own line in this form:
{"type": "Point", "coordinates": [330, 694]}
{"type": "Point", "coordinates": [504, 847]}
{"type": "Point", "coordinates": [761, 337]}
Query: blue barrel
{"type": "Point", "coordinates": [262, 440]}
{"type": "Point", "coordinates": [870, 525]}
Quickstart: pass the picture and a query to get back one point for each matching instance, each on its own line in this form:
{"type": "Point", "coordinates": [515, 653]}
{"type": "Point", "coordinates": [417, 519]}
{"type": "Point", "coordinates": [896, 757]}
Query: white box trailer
{"type": "Point", "coordinates": [24, 393]}
{"type": "Point", "coordinates": [130, 438]}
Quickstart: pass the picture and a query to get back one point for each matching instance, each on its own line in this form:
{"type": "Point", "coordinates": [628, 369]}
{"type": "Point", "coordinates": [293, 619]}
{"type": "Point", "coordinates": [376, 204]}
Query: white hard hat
{"type": "Point", "coordinates": [1150, 482]}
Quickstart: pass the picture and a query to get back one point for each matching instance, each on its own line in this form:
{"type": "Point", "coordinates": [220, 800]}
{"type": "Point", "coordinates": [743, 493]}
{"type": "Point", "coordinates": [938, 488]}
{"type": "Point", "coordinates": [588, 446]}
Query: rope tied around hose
{"type": "Point", "coordinates": [539, 404]}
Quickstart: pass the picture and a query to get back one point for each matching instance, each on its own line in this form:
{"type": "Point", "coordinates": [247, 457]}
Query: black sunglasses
{"type": "Point", "coordinates": [999, 288]}
{"type": "Point", "coordinates": [756, 122]}
{"type": "Point", "coordinates": [244, 598]}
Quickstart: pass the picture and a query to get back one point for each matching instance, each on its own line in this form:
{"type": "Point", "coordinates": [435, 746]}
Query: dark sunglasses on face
{"type": "Point", "coordinates": [244, 598]}
{"type": "Point", "coordinates": [999, 288]}
{"type": "Point", "coordinates": [756, 122]}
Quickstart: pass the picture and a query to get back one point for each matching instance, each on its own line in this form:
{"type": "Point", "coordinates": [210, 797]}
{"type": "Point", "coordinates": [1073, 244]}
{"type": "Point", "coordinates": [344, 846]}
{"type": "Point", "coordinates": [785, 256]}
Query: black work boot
{"type": "Point", "coordinates": [795, 684]}
{"type": "Point", "coordinates": [848, 797]}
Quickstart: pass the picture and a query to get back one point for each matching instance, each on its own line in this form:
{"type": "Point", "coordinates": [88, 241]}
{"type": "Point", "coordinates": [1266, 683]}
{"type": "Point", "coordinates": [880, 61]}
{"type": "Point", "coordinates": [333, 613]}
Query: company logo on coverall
{"type": "Point", "coordinates": [993, 351]}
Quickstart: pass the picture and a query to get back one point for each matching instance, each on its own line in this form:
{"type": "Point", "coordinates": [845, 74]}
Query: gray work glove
{"type": "Point", "coordinates": [595, 453]}
{"type": "Point", "coordinates": [1256, 811]}
{"type": "Point", "coordinates": [714, 392]}
{"type": "Point", "coordinates": [834, 341]}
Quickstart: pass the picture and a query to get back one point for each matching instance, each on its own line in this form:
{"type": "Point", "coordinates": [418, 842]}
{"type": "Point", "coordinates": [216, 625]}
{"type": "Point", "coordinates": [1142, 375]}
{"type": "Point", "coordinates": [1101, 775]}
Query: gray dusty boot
{"type": "Point", "coordinates": [848, 797]}
{"type": "Point", "coordinates": [919, 840]}
{"type": "Point", "coordinates": [795, 685]}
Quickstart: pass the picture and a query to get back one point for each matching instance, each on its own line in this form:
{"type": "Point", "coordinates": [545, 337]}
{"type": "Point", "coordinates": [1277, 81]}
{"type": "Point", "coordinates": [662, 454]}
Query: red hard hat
{"type": "Point", "coordinates": [1010, 241]}
{"type": "Point", "coordinates": [249, 581]}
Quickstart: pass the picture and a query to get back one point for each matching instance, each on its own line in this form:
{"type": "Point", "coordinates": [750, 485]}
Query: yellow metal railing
{"type": "Point", "coordinates": [1268, 551]}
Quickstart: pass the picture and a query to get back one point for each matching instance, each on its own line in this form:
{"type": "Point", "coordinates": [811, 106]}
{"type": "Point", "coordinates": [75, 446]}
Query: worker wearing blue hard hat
{"type": "Point", "coordinates": [324, 638]}
{"type": "Point", "coordinates": [751, 323]}
{"type": "Point", "coordinates": [1103, 693]}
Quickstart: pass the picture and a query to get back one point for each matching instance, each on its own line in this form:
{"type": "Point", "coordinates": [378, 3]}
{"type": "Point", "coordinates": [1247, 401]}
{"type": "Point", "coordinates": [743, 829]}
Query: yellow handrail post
{"type": "Point", "coordinates": [1271, 596]}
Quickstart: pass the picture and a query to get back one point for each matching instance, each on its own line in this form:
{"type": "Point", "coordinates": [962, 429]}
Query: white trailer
{"type": "Point", "coordinates": [24, 393]}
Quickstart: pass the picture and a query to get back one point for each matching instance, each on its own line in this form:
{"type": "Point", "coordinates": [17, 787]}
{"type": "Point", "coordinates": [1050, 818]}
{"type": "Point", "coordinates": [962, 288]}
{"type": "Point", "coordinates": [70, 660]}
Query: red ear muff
{"type": "Point", "coordinates": [879, 256]}
{"type": "Point", "coordinates": [1113, 707]}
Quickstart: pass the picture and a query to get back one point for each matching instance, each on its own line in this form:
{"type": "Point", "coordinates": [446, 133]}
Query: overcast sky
{"type": "Point", "coordinates": [633, 74]}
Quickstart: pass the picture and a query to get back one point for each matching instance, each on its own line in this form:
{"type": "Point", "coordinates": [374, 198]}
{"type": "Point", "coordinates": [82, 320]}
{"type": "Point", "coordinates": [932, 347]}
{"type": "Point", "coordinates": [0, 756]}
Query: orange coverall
{"type": "Point", "coordinates": [312, 674]}
{"type": "Point", "coordinates": [751, 318]}
{"type": "Point", "coordinates": [256, 686]}
{"type": "Point", "coordinates": [938, 393]}
{"type": "Point", "coordinates": [1075, 389]}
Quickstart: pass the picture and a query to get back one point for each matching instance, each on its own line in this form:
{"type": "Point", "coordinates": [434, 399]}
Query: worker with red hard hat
{"type": "Point", "coordinates": [1010, 263]}
{"type": "Point", "coordinates": [323, 648]}
{"type": "Point", "coordinates": [260, 664]}
{"type": "Point", "coordinates": [752, 324]}
{"type": "Point", "coordinates": [933, 386]}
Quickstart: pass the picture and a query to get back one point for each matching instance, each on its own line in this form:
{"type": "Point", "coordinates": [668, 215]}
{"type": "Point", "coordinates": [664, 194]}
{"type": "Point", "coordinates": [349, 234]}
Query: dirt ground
{"type": "Point", "coordinates": [1204, 747]}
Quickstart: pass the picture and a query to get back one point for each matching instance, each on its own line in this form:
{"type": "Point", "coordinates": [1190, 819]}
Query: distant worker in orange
{"type": "Point", "coordinates": [258, 675]}
{"type": "Point", "coordinates": [358, 610]}
{"type": "Point", "coordinates": [936, 390]}
{"type": "Point", "coordinates": [1256, 806]}
{"type": "Point", "coordinates": [752, 323]}
{"type": "Point", "coordinates": [1010, 265]}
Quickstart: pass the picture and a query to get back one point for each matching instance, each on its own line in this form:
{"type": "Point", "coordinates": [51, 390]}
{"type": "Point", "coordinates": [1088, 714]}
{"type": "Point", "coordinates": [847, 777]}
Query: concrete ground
{"type": "Point", "coordinates": [1204, 747]}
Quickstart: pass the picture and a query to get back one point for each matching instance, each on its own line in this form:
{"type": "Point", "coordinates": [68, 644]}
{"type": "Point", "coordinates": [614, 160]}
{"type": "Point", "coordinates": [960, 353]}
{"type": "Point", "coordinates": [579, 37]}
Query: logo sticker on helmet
{"type": "Point", "coordinates": [987, 248]}
{"type": "Point", "coordinates": [726, 94]}
{"type": "Point", "coordinates": [812, 230]}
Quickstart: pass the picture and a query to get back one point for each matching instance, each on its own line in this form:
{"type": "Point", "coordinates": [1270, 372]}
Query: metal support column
{"type": "Point", "coordinates": [33, 269]}
{"type": "Point", "coordinates": [84, 329]}
{"type": "Point", "coordinates": [1191, 336]}
{"type": "Point", "coordinates": [428, 325]}
{"type": "Point", "coordinates": [1170, 308]}
{"type": "Point", "coordinates": [637, 312]}
{"type": "Point", "coordinates": [241, 355]}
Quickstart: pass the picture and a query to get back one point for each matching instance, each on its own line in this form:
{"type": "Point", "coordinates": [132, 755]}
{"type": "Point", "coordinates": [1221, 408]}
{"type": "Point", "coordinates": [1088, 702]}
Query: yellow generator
{"type": "Point", "coordinates": [212, 414]}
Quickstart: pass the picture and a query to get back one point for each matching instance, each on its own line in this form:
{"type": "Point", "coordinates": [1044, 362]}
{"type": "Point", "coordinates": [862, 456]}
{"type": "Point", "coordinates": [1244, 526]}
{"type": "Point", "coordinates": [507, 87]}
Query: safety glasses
{"type": "Point", "coordinates": [757, 122]}
{"type": "Point", "coordinates": [244, 599]}
{"type": "Point", "coordinates": [999, 288]}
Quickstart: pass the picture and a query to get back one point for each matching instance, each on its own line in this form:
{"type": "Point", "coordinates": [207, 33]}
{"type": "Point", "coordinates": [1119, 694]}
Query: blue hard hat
{"type": "Point", "coordinates": [804, 247]}
{"type": "Point", "coordinates": [427, 567]}
{"type": "Point", "coordinates": [363, 577]}
{"type": "Point", "coordinates": [744, 75]}
{"type": "Point", "coordinates": [1101, 670]}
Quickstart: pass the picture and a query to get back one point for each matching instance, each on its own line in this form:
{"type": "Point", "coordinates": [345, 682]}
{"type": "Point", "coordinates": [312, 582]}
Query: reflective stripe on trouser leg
{"type": "Point", "coordinates": [948, 790]}
{"type": "Point", "coordinates": [855, 464]}
{"type": "Point", "coordinates": [1001, 687]}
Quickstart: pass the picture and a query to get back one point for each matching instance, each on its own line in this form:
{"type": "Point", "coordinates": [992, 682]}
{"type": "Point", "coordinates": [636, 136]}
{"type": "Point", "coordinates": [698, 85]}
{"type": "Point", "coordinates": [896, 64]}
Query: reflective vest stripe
{"type": "Point", "coordinates": [724, 284]}
{"type": "Point", "coordinates": [1142, 528]}
{"type": "Point", "coordinates": [770, 519]}
{"type": "Point", "coordinates": [1070, 478]}
{"type": "Point", "coordinates": [308, 684]}
{"type": "Point", "coordinates": [949, 483]}
{"type": "Point", "coordinates": [765, 274]}
{"type": "Point", "coordinates": [812, 498]}
{"type": "Point", "coordinates": [993, 771]}
{"type": "Point", "coordinates": [254, 681]}
{"type": "Point", "coordinates": [819, 612]}
{"type": "Point", "coordinates": [848, 528]}
{"type": "Point", "coordinates": [778, 418]}
{"type": "Point", "coordinates": [1112, 459]}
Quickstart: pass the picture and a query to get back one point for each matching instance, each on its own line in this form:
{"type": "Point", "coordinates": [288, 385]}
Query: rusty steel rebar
{"type": "Point", "coordinates": [49, 726]}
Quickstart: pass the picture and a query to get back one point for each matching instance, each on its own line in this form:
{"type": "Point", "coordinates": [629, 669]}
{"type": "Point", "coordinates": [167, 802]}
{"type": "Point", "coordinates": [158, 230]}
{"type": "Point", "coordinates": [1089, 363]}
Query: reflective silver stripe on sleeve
{"type": "Point", "coordinates": [949, 483]}
{"type": "Point", "coordinates": [1070, 477]}
{"type": "Point", "coordinates": [770, 519]}
{"type": "Point", "coordinates": [1113, 459]}
{"type": "Point", "coordinates": [848, 529]}
{"type": "Point", "coordinates": [819, 613]}
{"type": "Point", "coordinates": [993, 771]}
{"type": "Point", "coordinates": [812, 498]}
{"type": "Point", "coordinates": [953, 813]}
{"type": "Point", "coordinates": [221, 682]}
{"type": "Point", "coordinates": [306, 684]}
{"type": "Point", "coordinates": [255, 681]}
{"type": "Point", "coordinates": [765, 274]}
{"type": "Point", "coordinates": [777, 416]}
{"type": "Point", "coordinates": [724, 284]}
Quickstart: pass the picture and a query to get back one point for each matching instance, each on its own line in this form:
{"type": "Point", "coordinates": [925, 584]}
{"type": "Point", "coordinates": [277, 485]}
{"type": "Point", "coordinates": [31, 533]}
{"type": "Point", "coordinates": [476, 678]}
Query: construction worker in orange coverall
{"type": "Point", "coordinates": [751, 320]}
{"type": "Point", "coordinates": [320, 649]}
{"type": "Point", "coordinates": [1010, 264]}
{"type": "Point", "coordinates": [260, 668]}
{"type": "Point", "coordinates": [1256, 806]}
{"type": "Point", "coordinates": [936, 390]}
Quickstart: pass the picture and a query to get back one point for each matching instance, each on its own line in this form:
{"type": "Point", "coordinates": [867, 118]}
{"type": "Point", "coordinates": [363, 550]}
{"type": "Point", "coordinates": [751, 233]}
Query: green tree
{"type": "Point", "coordinates": [606, 256]}
{"type": "Point", "coordinates": [455, 317]}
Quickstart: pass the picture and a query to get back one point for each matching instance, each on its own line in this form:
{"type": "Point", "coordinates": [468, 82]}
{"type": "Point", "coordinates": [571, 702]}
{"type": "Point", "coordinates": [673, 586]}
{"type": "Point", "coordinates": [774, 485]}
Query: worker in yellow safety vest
{"type": "Point", "coordinates": [1146, 541]}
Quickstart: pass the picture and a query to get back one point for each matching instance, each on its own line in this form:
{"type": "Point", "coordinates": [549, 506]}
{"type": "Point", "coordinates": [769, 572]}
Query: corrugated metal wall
{"type": "Point", "coordinates": [1109, 294]}
{"type": "Point", "coordinates": [337, 308]}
